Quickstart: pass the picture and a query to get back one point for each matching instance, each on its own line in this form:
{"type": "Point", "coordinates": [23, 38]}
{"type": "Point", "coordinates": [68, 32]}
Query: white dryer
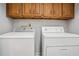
{"type": "Point", "coordinates": [17, 44]}
{"type": "Point", "coordinates": [55, 42]}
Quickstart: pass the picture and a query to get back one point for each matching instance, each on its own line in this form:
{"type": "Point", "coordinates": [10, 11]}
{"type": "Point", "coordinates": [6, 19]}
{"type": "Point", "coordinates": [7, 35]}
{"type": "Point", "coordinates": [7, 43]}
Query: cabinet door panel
{"type": "Point", "coordinates": [39, 10]}
{"type": "Point", "coordinates": [27, 10]}
{"type": "Point", "coordinates": [48, 11]}
{"type": "Point", "coordinates": [36, 10]}
{"type": "Point", "coordinates": [14, 10]}
{"type": "Point", "coordinates": [57, 10]}
{"type": "Point", "coordinates": [33, 10]}
{"type": "Point", "coordinates": [68, 10]}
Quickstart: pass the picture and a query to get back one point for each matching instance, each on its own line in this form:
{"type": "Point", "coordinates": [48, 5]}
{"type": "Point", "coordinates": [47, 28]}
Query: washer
{"type": "Point", "coordinates": [17, 44]}
{"type": "Point", "coordinates": [55, 42]}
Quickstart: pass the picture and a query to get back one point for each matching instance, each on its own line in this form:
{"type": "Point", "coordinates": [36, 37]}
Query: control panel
{"type": "Point", "coordinates": [52, 29]}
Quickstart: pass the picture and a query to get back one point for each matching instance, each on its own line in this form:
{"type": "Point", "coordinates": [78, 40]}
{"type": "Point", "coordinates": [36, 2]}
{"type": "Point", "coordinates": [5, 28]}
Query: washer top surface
{"type": "Point", "coordinates": [59, 35]}
{"type": "Point", "coordinates": [18, 35]}
{"type": "Point", "coordinates": [56, 31]}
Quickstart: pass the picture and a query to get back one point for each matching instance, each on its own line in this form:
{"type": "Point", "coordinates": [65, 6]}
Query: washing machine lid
{"type": "Point", "coordinates": [18, 35]}
{"type": "Point", "coordinates": [59, 35]}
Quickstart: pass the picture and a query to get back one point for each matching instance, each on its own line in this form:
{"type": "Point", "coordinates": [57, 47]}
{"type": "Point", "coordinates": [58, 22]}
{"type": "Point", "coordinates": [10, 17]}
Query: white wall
{"type": "Point", "coordinates": [74, 23]}
{"type": "Point", "coordinates": [5, 23]}
{"type": "Point", "coordinates": [37, 24]}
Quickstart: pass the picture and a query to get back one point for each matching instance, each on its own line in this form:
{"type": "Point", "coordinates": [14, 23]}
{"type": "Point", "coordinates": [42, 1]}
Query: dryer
{"type": "Point", "coordinates": [55, 42]}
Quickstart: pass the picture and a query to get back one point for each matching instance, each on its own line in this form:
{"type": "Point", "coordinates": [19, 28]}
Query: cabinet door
{"type": "Point", "coordinates": [27, 10]}
{"type": "Point", "coordinates": [68, 10]}
{"type": "Point", "coordinates": [36, 10]}
{"type": "Point", "coordinates": [14, 10]}
{"type": "Point", "coordinates": [39, 10]}
{"type": "Point", "coordinates": [57, 10]}
{"type": "Point", "coordinates": [33, 10]}
{"type": "Point", "coordinates": [48, 10]}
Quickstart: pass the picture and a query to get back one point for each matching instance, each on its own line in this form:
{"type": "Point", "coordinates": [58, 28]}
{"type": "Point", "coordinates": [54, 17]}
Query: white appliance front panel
{"type": "Point", "coordinates": [61, 41]}
{"type": "Point", "coordinates": [58, 41]}
{"type": "Point", "coordinates": [17, 47]}
{"type": "Point", "coordinates": [63, 51]}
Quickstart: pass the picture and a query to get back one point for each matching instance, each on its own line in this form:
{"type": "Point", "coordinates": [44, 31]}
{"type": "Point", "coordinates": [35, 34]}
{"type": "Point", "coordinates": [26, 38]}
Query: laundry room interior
{"type": "Point", "coordinates": [10, 23]}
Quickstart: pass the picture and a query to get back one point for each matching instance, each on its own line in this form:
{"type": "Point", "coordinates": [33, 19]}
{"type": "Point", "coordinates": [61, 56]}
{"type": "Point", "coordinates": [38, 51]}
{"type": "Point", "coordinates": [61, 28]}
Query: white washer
{"type": "Point", "coordinates": [17, 44]}
{"type": "Point", "coordinates": [55, 42]}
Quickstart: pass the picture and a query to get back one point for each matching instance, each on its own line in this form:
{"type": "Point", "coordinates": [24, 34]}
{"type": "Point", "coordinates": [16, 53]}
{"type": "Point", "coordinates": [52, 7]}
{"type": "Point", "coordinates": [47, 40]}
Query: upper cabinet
{"type": "Point", "coordinates": [32, 10]}
{"type": "Point", "coordinates": [26, 10]}
{"type": "Point", "coordinates": [68, 10]}
{"type": "Point", "coordinates": [40, 10]}
{"type": "Point", "coordinates": [48, 10]}
{"type": "Point", "coordinates": [57, 10]}
{"type": "Point", "coordinates": [14, 10]}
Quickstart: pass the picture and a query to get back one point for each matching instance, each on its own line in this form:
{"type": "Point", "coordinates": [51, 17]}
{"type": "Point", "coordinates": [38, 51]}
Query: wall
{"type": "Point", "coordinates": [74, 23]}
{"type": "Point", "coordinates": [37, 24]}
{"type": "Point", "coordinates": [5, 23]}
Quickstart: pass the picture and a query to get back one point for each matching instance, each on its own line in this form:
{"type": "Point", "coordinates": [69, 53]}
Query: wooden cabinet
{"type": "Point", "coordinates": [68, 10]}
{"type": "Point", "coordinates": [41, 10]}
{"type": "Point", "coordinates": [48, 10]}
{"type": "Point", "coordinates": [52, 10]}
{"type": "Point", "coordinates": [57, 10]}
{"type": "Point", "coordinates": [14, 10]}
{"type": "Point", "coordinates": [27, 10]}
{"type": "Point", "coordinates": [32, 10]}
{"type": "Point", "coordinates": [38, 11]}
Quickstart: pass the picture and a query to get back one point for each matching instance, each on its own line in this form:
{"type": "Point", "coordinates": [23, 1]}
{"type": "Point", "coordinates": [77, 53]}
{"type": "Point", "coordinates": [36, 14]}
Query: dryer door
{"type": "Point", "coordinates": [63, 51]}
